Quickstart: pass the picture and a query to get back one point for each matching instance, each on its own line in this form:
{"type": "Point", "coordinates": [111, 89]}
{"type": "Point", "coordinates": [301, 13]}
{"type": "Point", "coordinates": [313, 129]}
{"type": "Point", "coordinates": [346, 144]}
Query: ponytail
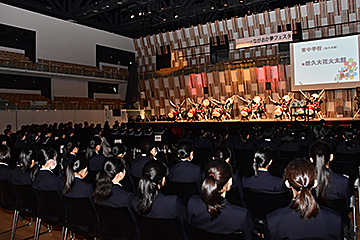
{"type": "Point", "coordinates": [218, 174]}
{"type": "Point", "coordinates": [301, 175]}
{"type": "Point", "coordinates": [34, 172]}
{"type": "Point", "coordinates": [148, 190]}
{"type": "Point", "coordinates": [42, 157]}
{"type": "Point", "coordinates": [69, 178]}
{"type": "Point", "coordinates": [103, 186]}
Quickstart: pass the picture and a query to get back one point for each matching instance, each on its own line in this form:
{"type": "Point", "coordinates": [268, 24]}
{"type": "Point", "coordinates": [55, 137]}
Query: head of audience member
{"type": "Point", "coordinates": [94, 147]}
{"type": "Point", "coordinates": [348, 135]}
{"type": "Point", "coordinates": [217, 182]}
{"type": "Point", "coordinates": [71, 147]}
{"type": "Point", "coordinates": [45, 159]}
{"type": "Point", "coordinates": [5, 154]}
{"type": "Point", "coordinates": [321, 156]}
{"type": "Point", "coordinates": [148, 148]}
{"type": "Point", "coordinates": [113, 172]}
{"type": "Point", "coordinates": [262, 159]}
{"type": "Point", "coordinates": [185, 151]}
{"type": "Point", "coordinates": [300, 177]}
{"type": "Point", "coordinates": [77, 168]}
{"type": "Point", "coordinates": [287, 136]}
{"type": "Point", "coordinates": [222, 153]}
{"type": "Point", "coordinates": [153, 179]}
{"type": "Point", "coordinates": [26, 159]}
{"type": "Point", "coordinates": [119, 150]}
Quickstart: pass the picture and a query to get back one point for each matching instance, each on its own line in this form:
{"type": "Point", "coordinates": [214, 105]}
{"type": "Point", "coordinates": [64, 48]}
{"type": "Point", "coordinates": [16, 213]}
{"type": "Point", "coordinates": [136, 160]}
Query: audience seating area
{"type": "Point", "coordinates": [20, 61]}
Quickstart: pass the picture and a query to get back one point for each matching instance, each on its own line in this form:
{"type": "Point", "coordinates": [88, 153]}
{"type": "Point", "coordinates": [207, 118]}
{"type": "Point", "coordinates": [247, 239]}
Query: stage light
{"type": "Point", "coordinates": [132, 16]}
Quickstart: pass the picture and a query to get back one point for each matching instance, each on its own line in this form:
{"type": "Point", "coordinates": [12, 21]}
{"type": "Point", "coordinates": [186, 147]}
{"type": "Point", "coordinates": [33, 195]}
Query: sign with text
{"type": "Point", "coordinates": [272, 38]}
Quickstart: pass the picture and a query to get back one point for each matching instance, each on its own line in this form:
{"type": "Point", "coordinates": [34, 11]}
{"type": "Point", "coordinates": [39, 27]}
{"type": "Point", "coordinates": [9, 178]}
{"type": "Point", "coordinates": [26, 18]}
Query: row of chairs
{"type": "Point", "coordinates": [81, 216]}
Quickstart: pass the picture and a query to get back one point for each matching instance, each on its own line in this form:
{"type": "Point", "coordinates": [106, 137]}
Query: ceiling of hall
{"type": "Point", "coordinates": [136, 18]}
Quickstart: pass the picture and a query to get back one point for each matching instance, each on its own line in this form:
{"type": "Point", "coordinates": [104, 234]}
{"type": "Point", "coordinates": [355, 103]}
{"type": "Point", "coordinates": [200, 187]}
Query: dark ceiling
{"type": "Point", "coordinates": [136, 18]}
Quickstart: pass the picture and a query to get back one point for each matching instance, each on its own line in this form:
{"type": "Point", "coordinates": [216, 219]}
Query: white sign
{"type": "Point", "coordinates": [264, 39]}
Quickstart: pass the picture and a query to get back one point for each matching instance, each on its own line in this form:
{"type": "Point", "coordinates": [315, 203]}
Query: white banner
{"type": "Point", "coordinates": [272, 38]}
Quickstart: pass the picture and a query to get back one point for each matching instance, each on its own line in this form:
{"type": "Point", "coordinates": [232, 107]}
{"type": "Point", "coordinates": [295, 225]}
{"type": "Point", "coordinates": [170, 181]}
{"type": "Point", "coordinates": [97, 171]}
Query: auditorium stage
{"type": "Point", "coordinates": [237, 123]}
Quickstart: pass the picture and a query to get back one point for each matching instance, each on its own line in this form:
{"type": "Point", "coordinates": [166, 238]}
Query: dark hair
{"type": "Point", "coordinates": [118, 148]}
{"type": "Point", "coordinates": [184, 150]}
{"type": "Point", "coordinates": [25, 158]}
{"type": "Point", "coordinates": [42, 157]}
{"type": "Point", "coordinates": [79, 163]}
{"type": "Point", "coordinates": [95, 141]}
{"type": "Point", "coordinates": [262, 158]}
{"type": "Point", "coordinates": [153, 173]}
{"type": "Point", "coordinates": [103, 186]}
{"type": "Point", "coordinates": [301, 176]}
{"type": "Point", "coordinates": [69, 147]}
{"type": "Point", "coordinates": [5, 154]}
{"type": "Point", "coordinates": [348, 135]}
{"type": "Point", "coordinates": [146, 145]}
{"type": "Point", "coordinates": [320, 153]}
{"type": "Point", "coordinates": [221, 153]}
{"type": "Point", "coordinates": [288, 136]}
{"type": "Point", "coordinates": [217, 174]}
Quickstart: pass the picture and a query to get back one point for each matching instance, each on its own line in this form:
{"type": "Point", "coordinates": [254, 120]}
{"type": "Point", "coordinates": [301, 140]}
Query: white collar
{"type": "Point", "coordinates": [119, 184]}
{"type": "Point", "coordinates": [2, 163]}
{"type": "Point", "coordinates": [43, 169]}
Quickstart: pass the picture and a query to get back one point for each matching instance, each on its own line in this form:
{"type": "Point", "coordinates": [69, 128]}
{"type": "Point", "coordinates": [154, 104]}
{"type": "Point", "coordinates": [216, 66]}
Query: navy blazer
{"type": "Point", "coordinates": [231, 219]}
{"type": "Point", "coordinates": [119, 198]}
{"type": "Point", "coordinates": [169, 206]}
{"type": "Point", "coordinates": [18, 177]}
{"type": "Point", "coordinates": [47, 181]}
{"type": "Point", "coordinates": [96, 162]}
{"type": "Point", "coordinates": [5, 171]}
{"type": "Point", "coordinates": [185, 171]}
{"type": "Point", "coordinates": [80, 189]}
{"type": "Point", "coordinates": [137, 166]}
{"type": "Point", "coordinates": [285, 223]}
{"type": "Point", "coordinates": [338, 187]}
{"type": "Point", "coordinates": [264, 182]}
{"type": "Point", "coordinates": [238, 186]}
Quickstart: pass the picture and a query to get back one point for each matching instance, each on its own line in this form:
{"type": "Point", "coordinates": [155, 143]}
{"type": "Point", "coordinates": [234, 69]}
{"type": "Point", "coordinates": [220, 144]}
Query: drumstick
{"type": "Point", "coordinates": [182, 103]}
{"type": "Point", "coordinates": [303, 94]}
{"type": "Point", "coordinates": [172, 104]}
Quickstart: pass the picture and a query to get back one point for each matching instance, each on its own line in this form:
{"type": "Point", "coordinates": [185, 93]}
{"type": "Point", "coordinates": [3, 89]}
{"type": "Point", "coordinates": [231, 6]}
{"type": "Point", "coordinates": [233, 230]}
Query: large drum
{"type": "Point", "coordinates": [286, 98]}
{"type": "Point", "coordinates": [191, 113]}
{"type": "Point", "coordinates": [245, 111]}
{"type": "Point", "coordinates": [310, 110]}
{"type": "Point", "coordinates": [300, 110]}
{"type": "Point", "coordinates": [216, 112]}
{"type": "Point", "coordinates": [171, 114]}
{"type": "Point", "coordinates": [257, 99]}
{"type": "Point", "coordinates": [278, 111]}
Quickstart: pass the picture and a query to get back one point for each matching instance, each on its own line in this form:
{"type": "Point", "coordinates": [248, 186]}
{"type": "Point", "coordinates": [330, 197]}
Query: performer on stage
{"type": "Point", "coordinates": [283, 106]}
{"type": "Point", "coordinates": [313, 103]}
{"type": "Point", "coordinates": [176, 113]}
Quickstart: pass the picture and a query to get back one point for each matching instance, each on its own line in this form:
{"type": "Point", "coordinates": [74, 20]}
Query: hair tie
{"type": "Point", "coordinates": [211, 174]}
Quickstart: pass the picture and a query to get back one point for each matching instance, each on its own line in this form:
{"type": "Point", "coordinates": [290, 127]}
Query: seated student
{"type": "Point", "coordinates": [108, 189]}
{"type": "Point", "coordinates": [331, 184]}
{"type": "Point", "coordinates": [74, 175]}
{"type": "Point", "coordinates": [42, 177]}
{"type": "Point", "coordinates": [5, 170]}
{"type": "Point", "coordinates": [94, 155]}
{"type": "Point", "coordinates": [262, 180]}
{"type": "Point", "coordinates": [211, 211]}
{"type": "Point", "coordinates": [150, 201]}
{"type": "Point", "coordinates": [21, 173]}
{"type": "Point", "coordinates": [223, 153]}
{"type": "Point", "coordinates": [303, 218]}
{"type": "Point", "coordinates": [184, 170]}
{"type": "Point", "coordinates": [148, 152]}
{"type": "Point", "coordinates": [70, 150]}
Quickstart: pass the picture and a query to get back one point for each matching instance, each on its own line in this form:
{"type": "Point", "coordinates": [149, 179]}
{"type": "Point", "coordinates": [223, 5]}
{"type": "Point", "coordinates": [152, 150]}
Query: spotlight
{"type": "Point", "coordinates": [132, 16]}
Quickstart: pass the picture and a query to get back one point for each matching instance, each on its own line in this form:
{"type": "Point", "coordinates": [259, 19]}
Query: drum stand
{"type": "Point", "coordinates": [357, 112]}
{"type": "Point", "coordinates": [358, 105]}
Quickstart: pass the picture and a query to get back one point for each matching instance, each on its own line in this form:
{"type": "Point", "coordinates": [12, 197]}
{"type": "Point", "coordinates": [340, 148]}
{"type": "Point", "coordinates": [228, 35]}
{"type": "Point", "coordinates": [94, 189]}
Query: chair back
{"type": "Point", "coordinates": [159, 228]}
{"type": "Point", "coordinates": [291, 154]}
{"type": "Point", "coordinates": [53, 210]}
{"type": "Point", "coordinates": [340, 206]}
{"type": "Point", "coordinates": [196, 234]}
{"type": "Point", "coordinates": [8, 197]}
{"type": "Point", "coordinates": [346, 164]}
{"type": "Point", "coordinates": [183, 190]}
{"type": "Point", "coordinates": [233, 196]}
{"type": "Point", "coordinates": [82, 216]}
{"type": "Point", "coordinates": [201, 156]}
{"type": "Point", "coordinates": [278, 165]}
{"type": "Point", "coordinates": [244, 159]}
{"type": "Point", "coordinates": [262, 203]}
{"type": "Point", "coordinates": [29, 203]}
{"type": "Point", "coordinates": [115, 223]}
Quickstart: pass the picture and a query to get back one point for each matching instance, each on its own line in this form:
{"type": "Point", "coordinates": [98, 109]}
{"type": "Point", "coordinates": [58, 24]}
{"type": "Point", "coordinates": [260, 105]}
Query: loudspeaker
{"type": "Point", "coordinates": [279, 28]}
{"type": "Point", "coordinates": [116, 112]}
{"type": "Point", "coordinates": [297, 33]}
{"type": "Point", "coordinates": [206, 90]}
{"type": "Point", "coordinates": [358, 91]}
{"type": "Point", "coordinates": [284, 47]}
{"type": "Point", "coordinates": [268, 85]}
{"type": "Point", "coordinates": [288, 27]}
{"type": "Point", "coordinates": [145, 103]}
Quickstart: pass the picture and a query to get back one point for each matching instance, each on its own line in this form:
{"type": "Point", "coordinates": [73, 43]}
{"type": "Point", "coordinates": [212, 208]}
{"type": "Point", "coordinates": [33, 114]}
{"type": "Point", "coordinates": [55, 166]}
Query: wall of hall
{"type": "Point", "coordinates": [61, 40]}
{"type": "Point", "coordinates": [189, 48]}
